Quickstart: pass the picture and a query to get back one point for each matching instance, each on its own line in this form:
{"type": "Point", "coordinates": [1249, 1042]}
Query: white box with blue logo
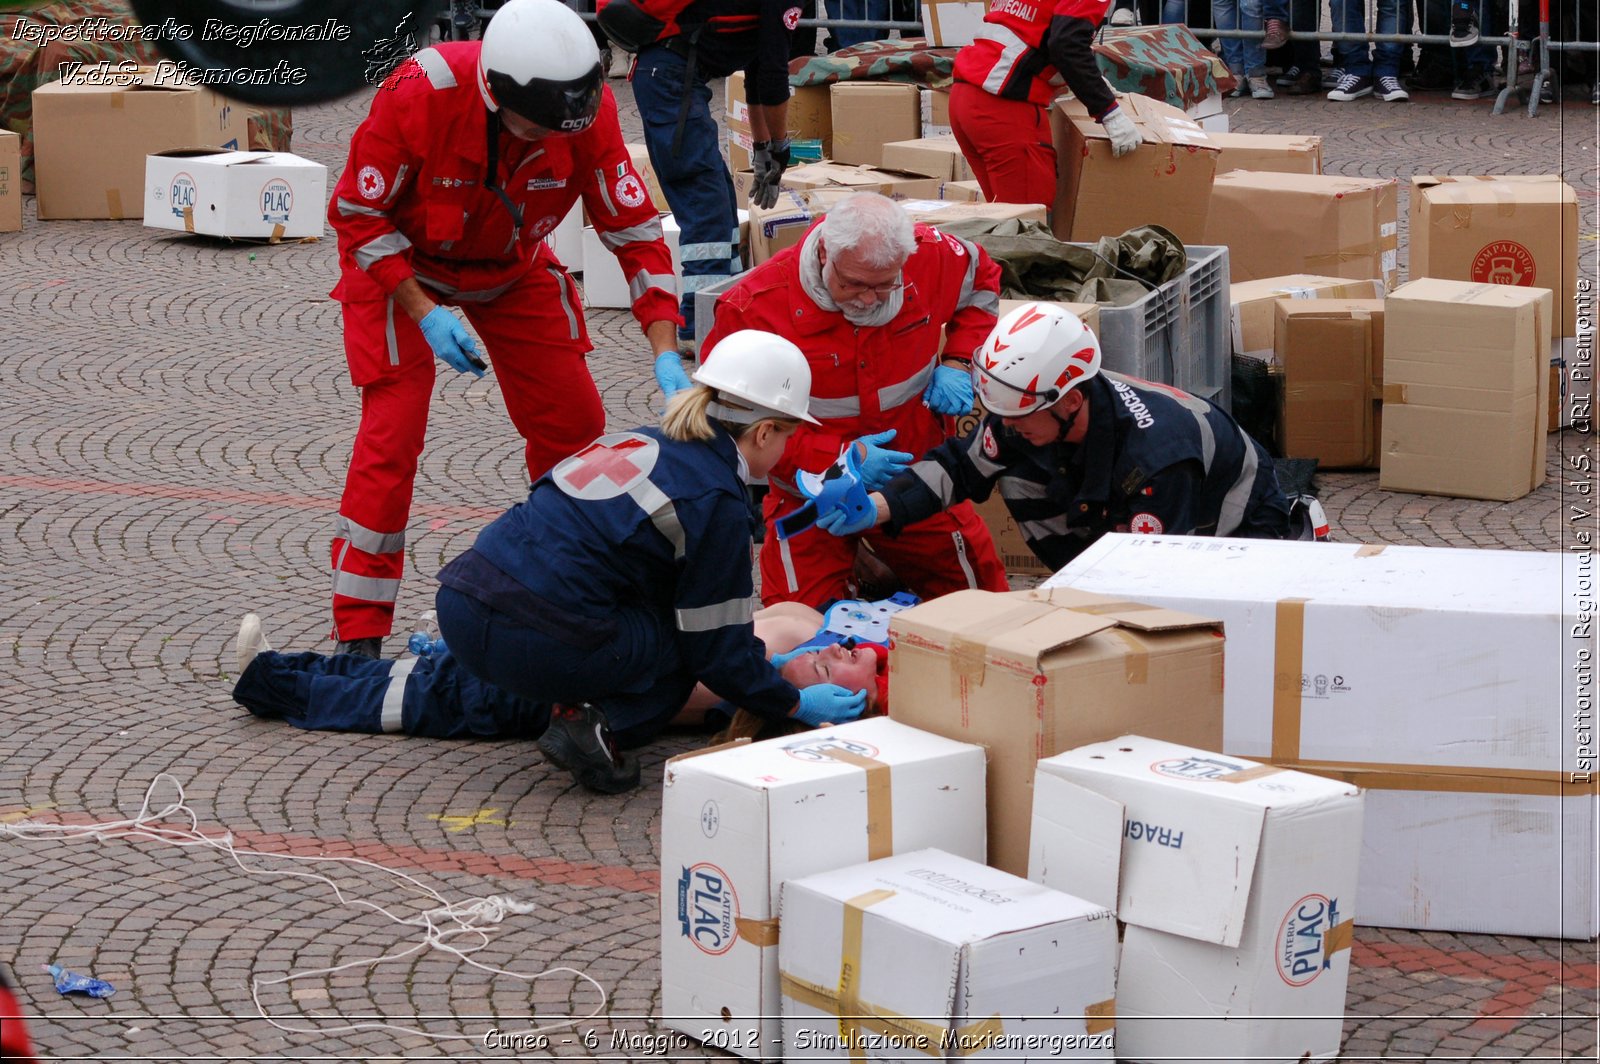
{"type": "Point", "coordinates": [1237, 883]}
{"type": "Point", "coordinates": [260, 195]}
{"type": "Point", "coordinates": [739, 820]}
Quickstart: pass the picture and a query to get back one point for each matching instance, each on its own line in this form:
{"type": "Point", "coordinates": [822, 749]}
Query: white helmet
{"type": "Point", "coordinates": [762, 369]}
{"type": "Point", "coordinates": [1035, 355]}
{"type": "Point", "coordinates": [539, 61]}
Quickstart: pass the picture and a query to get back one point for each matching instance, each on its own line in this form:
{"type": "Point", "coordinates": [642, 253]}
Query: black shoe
{"type": "Point", "coordinates": [1472, 87]}
{"type": "Point", "coordinates": [1430, 78]}
{"type": "Point", "coordinates": [579, 740]}
{"type": "Point", "coordinates": [370, 647]}
{"type": "Point", "coordinates": [1463, 28]}
{"type": "Point", "coordinates": [1299, 82]}
{"type": "Point", "coordinates": [1351, 87]}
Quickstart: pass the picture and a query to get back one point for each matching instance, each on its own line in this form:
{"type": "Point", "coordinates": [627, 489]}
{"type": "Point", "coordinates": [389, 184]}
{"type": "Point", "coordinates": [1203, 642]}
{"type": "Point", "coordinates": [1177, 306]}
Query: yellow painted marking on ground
{"type": "Point", "coordinates": [12, 818]}
{"type": "Point", "coordinates": [454, 824]}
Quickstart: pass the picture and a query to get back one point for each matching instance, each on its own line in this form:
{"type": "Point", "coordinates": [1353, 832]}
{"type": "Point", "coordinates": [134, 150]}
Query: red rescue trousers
{"type": "Point", "coordinates": [1007, 143]}
{"type": "Point", "coordinates": [536, 341]}
{"type": "Point", "coordinates": [950, 551]}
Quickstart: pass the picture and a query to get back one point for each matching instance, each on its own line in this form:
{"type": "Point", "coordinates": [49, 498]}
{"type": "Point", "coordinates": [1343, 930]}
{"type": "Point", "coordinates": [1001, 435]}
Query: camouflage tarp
{"type": "Point", "coordinates": [24, 66]}
{"type": "Point", "coordinates": [909, 59]}
{"type": "Point", "coordinates": [1114, 271]}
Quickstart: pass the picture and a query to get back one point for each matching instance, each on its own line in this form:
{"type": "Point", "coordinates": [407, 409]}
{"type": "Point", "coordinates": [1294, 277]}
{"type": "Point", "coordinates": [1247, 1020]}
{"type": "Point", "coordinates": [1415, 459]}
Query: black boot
{"type": "Point", "coordinates": [370, 647]}
{"type": "Point", "coordinates": [579, 740]}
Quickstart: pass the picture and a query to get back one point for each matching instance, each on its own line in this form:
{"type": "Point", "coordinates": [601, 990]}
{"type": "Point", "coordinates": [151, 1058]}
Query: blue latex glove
{"type": "Point", "coordinates": [450, 341]}
{"type": "Point", "coordinates": [950, 391]}
{"type": "Point", "coordinates": [670, 374]}
{"type": "Point", "coordinates": [878, 464]}
{"type": "Point", "coordinates": [841, 523]}
{"type": "Point", "coordinates": [828, 703]}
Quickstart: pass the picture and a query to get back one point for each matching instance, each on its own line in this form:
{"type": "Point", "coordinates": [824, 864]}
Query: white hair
{"type": "Point", "coordinates": [875, 227]}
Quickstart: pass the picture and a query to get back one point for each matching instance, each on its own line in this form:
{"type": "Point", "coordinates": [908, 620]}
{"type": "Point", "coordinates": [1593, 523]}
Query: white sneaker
{"type": "Point", "coordinates": [251, 641]}
{"type": "Point", "coordinates": [1124, 16]}
{"type": "Point", "coordinates": [1260, 89]}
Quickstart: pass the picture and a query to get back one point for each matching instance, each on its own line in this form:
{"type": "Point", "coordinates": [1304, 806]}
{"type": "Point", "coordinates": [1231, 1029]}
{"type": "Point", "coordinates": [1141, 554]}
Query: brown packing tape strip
{"type": "Point", "coordinates": [1339, 936]}
{"type": "Point", "coordinates": [1394, 394]}
{"type": "Point", "coordinates": [188, 219]}
{"type": "Point", "coordinates": [1449, 779]}
{"type": "Point", "coordinates": [1137, 662]}
{"type": "Point", "coordinates": [969, 654]}
{"type": "Point", "coordinates": [1101, 1016]}
{"type": "Point", "coordinates": [277, 233]}
{"type": "Point", "coordinates": [880, 802]}
{"type": "Point", "coordinates": [759, 933]}
{"type": "Point", "coordinates": [1287, 665]}
{"type": "Point", "coordinates": [1370, 550]}
{"type": "Point", "coordinates": [114, 203]}
{"type": "Point", "coordinates": [1245, 775]}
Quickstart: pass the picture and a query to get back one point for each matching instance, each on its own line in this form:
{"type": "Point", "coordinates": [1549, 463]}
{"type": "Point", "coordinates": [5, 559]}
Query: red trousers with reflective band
{"type": "Point", "coordinates": [947, 552]}
{"type": "Point", "coordinates": [536, 341]}
{"type": "Point", "coordinates": [1007, 143]}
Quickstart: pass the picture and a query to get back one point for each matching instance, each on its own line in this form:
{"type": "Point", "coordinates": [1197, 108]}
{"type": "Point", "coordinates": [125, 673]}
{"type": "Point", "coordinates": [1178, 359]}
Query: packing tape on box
{"type": "Point", "coordinates": [1100, 1016]}
{"type": "Point", "coordinates": [1370, 550]}
{"type": "Point", "coordinates": [114, 203]}
{"type": "Point", "coordinates": [1136, 663]}
{"type": "Point", "coordinates": [1338, 937]}
{"type": "Point", "coordinates": [759, 933]}
{"type": "Point", "coordinates": [1394, 394]}
{"type": "Point", "coordinates": [188, 219]}
{"type": "Point", "coordinates": [1449, 779]}
{"type": "Point", "coordinates": [880, 801]}
{"type": "Point", "coordinates": [970, 656]}
{"type": "Point", "coordinates": [1287, 655]}
{"type": "Point", "coordinates": [1245, 775]}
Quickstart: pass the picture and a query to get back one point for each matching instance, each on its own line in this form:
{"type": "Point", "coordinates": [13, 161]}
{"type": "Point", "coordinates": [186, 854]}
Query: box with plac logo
{"type": "Point", "coordinates": [739, 820]}
{"type": "Point", "coordinates": [1236, 881]}
{"type": "Point", "coordinates": [248, 194]}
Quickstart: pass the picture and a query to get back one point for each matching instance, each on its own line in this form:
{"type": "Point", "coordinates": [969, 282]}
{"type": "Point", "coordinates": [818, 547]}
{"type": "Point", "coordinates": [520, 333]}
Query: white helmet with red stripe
{"type": "Point", "coordinates": [1035, 355]}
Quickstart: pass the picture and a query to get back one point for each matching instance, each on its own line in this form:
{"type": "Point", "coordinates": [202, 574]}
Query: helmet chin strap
{"type": "Point", "coordinates": [1065, 424]}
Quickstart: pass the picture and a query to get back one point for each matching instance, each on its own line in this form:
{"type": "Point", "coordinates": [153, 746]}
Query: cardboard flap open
{"type": "Point", "coordinates": [1214, 845]}
{"type": "Point", "coordinates": [1076, 843]}
{"type": "Point", "coordinates": [1140, 616]}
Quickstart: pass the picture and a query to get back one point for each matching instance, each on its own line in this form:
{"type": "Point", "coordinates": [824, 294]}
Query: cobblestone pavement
{"type": "Point", "coordinates": [176, 423]}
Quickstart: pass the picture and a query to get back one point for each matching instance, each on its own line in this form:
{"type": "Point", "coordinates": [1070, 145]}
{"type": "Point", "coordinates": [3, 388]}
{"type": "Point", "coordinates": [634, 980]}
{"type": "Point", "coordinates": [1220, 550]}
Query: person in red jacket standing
{"type": "Point", "coordinates": [1025, 54]}
{"type": "Point", "coordinates": [471, 154]}
{"type": "Point", "coordinates": [868, 296]}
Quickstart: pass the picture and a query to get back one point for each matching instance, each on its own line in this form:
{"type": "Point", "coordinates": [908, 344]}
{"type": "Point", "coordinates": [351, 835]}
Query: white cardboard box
{"type": "Point", "coordinates": [566, 240]}
{"type": "Point", "coordinates": [603, 283]}
{"type": "Point", "coordinates": [927, 956]}
{"type": "Point", "coordinates": [1447, 683]}
{"type": "Point", "coordinates": [1237, 881]}
{"type": "Point", "coordinates": [738, 821]}
{"type": "Point", "coordinates": [250, 194]}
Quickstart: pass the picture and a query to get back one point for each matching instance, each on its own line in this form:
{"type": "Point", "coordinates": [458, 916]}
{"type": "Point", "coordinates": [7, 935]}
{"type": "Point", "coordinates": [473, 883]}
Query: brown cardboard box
{"type": "Point", "coordinates": [1267, 153]}
{"type": "Point", "coordinates": [1305, 223]}
{"type": "Point", "coordinates": [785, 222]}
{"type": "Point", "coordinates": [869, 114]}
{"type": "Point", "coordinates": [938, 157]}
{"type": "Point", "coordinates": [938, 107]}
{"type": "Point", "coordinates": [1255, 306]}
{"type": "Point", "coordinates": [1519, 230]}
{"type": "Point", "coordinates": [833, 175]}
{"type": "Point", "coordinates": [1030, 674]}
{"type": "Point", "coordinates": [90, 139]}
{"type": "Point", "coordinates": [1165, 181]}
{"type": "Point", "coordinates": [1332, 354]}
{"type": "Point", "coordinates": [809, 118]}
{"type": "Point", "coordinates": [641, 162]}
{"type": "Point", "coordinates": [935, 212]}
{"type": "Point", "coordinates": [961, 191]}
{"type": "Point", "coordinates": [10, 182]}
{"type": "Point", "coordinates": [1465, 390]}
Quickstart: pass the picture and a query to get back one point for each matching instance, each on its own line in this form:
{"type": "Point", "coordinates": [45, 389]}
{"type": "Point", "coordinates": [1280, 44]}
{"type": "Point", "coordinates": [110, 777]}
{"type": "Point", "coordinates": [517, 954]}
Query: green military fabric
{"type": "Point", "coordinates": [1115, 270]}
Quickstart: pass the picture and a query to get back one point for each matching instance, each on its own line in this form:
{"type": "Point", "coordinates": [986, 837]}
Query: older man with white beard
{"type": "Point", "coordinates": [868, 297]}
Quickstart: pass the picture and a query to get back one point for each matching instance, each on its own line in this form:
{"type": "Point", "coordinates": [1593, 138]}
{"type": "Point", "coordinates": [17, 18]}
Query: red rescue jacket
{"type": "Point", "coordinates": [1031, 49]}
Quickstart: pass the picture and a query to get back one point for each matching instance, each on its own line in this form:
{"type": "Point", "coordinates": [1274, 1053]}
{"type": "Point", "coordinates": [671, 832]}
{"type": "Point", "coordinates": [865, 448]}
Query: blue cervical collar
{"type": "Point", "coordinates": [838, 487]}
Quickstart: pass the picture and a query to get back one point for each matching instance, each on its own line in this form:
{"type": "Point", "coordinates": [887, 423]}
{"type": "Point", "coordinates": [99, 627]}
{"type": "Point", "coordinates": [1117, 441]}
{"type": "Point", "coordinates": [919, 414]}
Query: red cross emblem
{"type": "Point", "coordinates": [1146, 525]}
{"type": "Point", "coordinates": [608, 467]}
{"type": "Point", "coordinates": [370, 182]}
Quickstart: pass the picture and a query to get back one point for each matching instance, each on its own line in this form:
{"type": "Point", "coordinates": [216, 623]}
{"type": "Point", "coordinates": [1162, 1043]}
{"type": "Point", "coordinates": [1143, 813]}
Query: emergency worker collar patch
{"type": "Point", "coordinates": [991, 447]}
{"type": "Point", "coordinates": [611, 466]}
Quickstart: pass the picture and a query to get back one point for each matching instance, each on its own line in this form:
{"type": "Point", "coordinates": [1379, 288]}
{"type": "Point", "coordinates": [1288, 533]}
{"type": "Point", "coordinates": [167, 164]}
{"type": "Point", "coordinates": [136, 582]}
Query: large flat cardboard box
{"type": "Point", "coordinates": [1275, 224]}
{"type": "Point", "coordinates": [869, 114]}
{"type": "Point", "coordinates": [1465, 389]}
{"type": "Point", "coordinates": [938, 157]}
{"type": "Point", "coordinates": [1165, 181]}
{"type": "Point", "coordinates": [1438, 680]}
{"type": "Point", "coordinates": [1030, 674]}
{"type": "Point", "coordinates": [952, 23]}
{"type": "Point", "coordinates": [1267, 153]}
{"type": "Point", "coordinates": [927, 956]}
{"type": "Point", "coordinates": [1332, 356]}
{"type": "Point", "coordinates": [809, 118]}
{"type": "Point", "coordinates": [1514, 230]}
{"type": "Point", "coordinates": [91, 137]}
{"type": "Point", "coordinates": [10, 182]}
{"type": "Point", "coordinates": [239, 194]}
{"type": "Point", "coordinates": [1255, 306]}
{"type": "Point", "coordinates": [739, 820]}
{"type": "Point", "coordinates": [1237, 883]}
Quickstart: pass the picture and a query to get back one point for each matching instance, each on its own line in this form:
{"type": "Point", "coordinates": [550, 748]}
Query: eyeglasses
{"type": "Point", "coordinates": [882, 291]}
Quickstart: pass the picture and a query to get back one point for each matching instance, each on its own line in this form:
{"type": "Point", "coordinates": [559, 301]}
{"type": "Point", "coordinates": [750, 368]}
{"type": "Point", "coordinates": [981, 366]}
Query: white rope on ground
{"type": "Point", "coordinates": [440, 925]}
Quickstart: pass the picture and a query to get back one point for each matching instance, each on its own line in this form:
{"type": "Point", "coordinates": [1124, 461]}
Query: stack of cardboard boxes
{"type": "Point", "coordinates": [10, 182]}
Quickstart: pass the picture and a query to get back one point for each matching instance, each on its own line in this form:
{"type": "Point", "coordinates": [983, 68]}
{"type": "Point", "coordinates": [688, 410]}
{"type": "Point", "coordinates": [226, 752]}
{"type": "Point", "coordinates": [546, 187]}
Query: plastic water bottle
{"type": "Point", "coordinates": [425, 640]}
{"type": "Point", "coordinates": [73, 983]}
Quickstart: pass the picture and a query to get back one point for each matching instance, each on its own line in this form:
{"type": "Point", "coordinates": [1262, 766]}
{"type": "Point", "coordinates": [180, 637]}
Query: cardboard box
{"type": "Point", "coordinates": [869, 114]}
{"type": "Point", "coordinates": [831, 175]}
{"type": "Point", "coordinates": [1520, 230]}
{"type": "Point", "coordinates": [1332, 357]}
{"type": "Point", "coordinates": [938, 157]}
{"type": "Point", "coordinates": [810, 117]}
{"type": "Point", "coordinates": [952, 23]}
{"type": "Point", "coordinates": [937, 212]}
{"type": "Point", "coordinates": [1438, 680]}
{"type": "Point", "coordinates": [1030, 674]}
{"type": "Point", "coordinates": [1465, 391]}
{"type": "Point", "coordinates": [1267, 153]}
{"type": "Point", "coordinates": [91, 137]}
{"type": "Point", "coordinates": [1255, 306]}
{"type": "Point", "coordinates": [603, 282]}
{"type": "Point", "coordinates": [566, 240]}
{"type": "Point", "coordinates": [1165, 181]}
{"type": "Point", "coordinates": [927, 956]}
{"type": "Point", "coordinates": [784, 223]}
{"type": "Point", "coordinates": [10, 182]}
{"type": "Point", "coordinates": [246, 194]}
{"type": "Point", "coordinates": [739, 820]}
{"type": "Point", "coordinates": [961, 191]}
{"type": "Point", "coordinates": [1275, 224]}
{"type": "Point", "coordinates": [935, 110]}
{"type": "Point", "coordinates": [1237, 883]}
{"type": "Point", "coordinates": [640, 155]}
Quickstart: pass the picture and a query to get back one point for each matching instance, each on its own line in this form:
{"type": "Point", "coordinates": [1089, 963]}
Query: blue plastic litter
{"type": "Point", "coordinates": [73, 983]}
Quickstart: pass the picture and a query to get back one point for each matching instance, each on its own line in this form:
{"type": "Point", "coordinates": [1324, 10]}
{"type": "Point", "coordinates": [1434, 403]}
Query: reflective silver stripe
{"type": "Point", "coordinates": [399, 179]}
{"type": "Point", "coordinates": [388, 332]}
{"type": "Point", "coordinates": [893, 395]}
{"type": "Point", "coordinates": [1050, 526]}
{"type": "Point", "coordinates": [695, 282]}
{"type": "Point", "coordinates": [961, 558]}
{"type": "Point", "coordinates": [699, 252]}
{"type": "Point", "coordinates": [395, 694]}
{"type": "Point", "coordinates": [1012, 48]}
{"type": "Point", "coordinates": [1231, 515]}
{"type": "Point", "coordinates": [366, 588]}
{"type": "Point", "coordinates": [718, 615]}
{"type": "Point", "coordinates": [654, 502]}
{"type": "Point", "coordinates": [634, 234]}
{"type": "Point", "coordinates": [1020, 488]}
{"type": "Point", "coordinates": [476, 295]}
{"type": "Point", "coordinates": [440, 76]}
{"type": "Point", "coordinates": [644, 280]}
{"type": "Point", "coordinates": [566, 304]}
{"type": "Point", "coordinates": [602, 183]}
{"type": "Point", "coordinates": [788, 566]}
{"type": "Point", "coordinates": [985, 300]}
{"type": "Point", "coordinates": [969, 279]}
{"type": "Point", "coordinates": [349, 207]}
{"type": "Point", "coordinates": [380, 248]}
{"type": "Point", "coordinates": [362, 538]}
{"type": "Point", "coordinates": [849, 406]}
{"type": "Point", "coordinates": [936, 478]}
